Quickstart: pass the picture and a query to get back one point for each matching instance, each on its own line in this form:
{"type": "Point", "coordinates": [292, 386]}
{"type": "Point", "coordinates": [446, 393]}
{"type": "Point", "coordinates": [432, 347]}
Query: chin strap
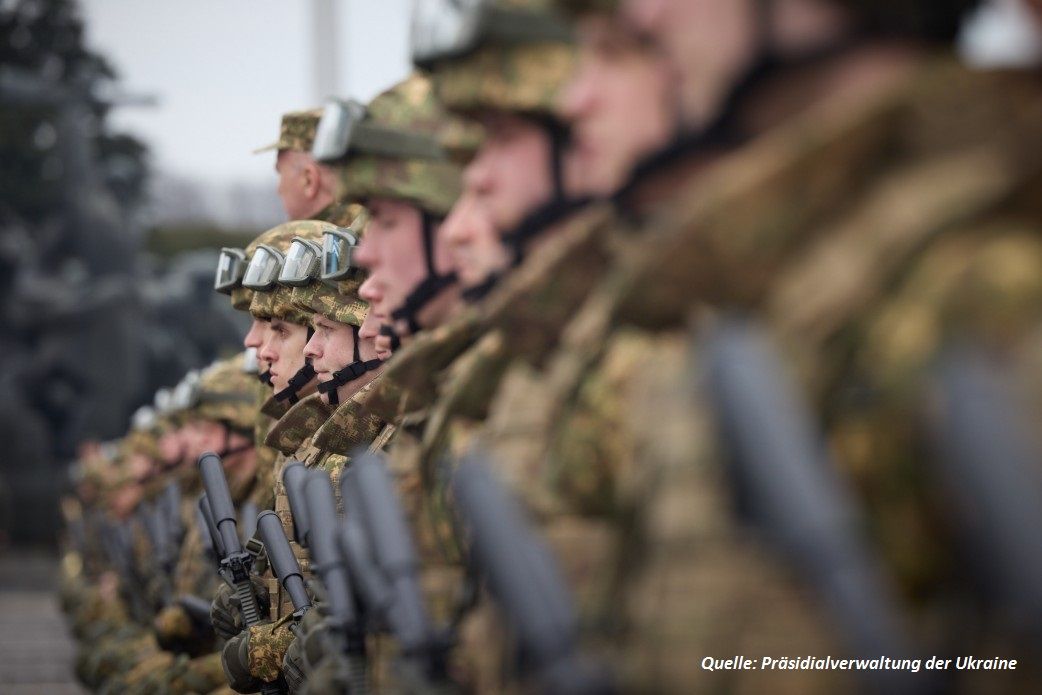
{"type": "Point", "coordinates": [301, 379]}
{"type": "Point", "coordinates": [349, 373]}
{"type": "Point", "coordinates": [475, 294]}
{"type": "Point", "coordinates": [537, 222]}
{"type": "Point", "coordinates": [264, 378]}
{"type": "Point", "coordinates": [387, 330]}
{"type": "Point", "coordinates": [725, 131]}
{"type": "Point", "coordinates": [430, 287]}
{"type": "Point", "coordinates": [227, 449]}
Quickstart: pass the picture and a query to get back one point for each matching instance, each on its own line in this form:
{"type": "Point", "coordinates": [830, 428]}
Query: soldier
{"type": "Point", "coordinates": [220, 417]}
{"type": "Point", "coordinates": [618, 104]}
{"type": "Point", "coordinates": [861, 331]}
{"type": "Point", "coordinates": [307, 187]}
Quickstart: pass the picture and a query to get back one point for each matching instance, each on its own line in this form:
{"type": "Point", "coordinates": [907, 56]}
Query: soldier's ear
{"type": "Point", "coordinates": [312, 181]}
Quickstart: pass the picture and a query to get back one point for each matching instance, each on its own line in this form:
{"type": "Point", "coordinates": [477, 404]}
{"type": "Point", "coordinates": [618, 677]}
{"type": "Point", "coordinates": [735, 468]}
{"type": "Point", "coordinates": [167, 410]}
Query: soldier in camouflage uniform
{"type": "Point", "coordinates": [307, 187]}
{"type": "Point", "coordinates": [616, 463]}
{"type": "Point", "coordinates": [218, 415]}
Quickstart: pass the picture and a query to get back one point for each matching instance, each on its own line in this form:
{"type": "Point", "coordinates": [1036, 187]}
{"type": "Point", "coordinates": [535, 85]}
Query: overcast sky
{"type": "Point", "coordinates": [223, 72]}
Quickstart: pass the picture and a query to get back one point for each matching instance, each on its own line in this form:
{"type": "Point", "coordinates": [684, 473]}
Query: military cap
{"type": "Point", "coordinates": [518, 63]}
{"type": "Point", "coordinates": [429, 179]}
{"type": "Point", "coordinates": [297, 132]}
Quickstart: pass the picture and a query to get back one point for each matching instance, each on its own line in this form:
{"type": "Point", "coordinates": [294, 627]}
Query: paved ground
{"type": "Point", "coordinates": [36, 652]}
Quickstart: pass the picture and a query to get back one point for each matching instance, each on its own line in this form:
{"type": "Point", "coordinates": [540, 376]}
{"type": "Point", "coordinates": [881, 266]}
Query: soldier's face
{"type": "Point", "coordinates": [284, 351]}
{"type": "Point", "coordinates": [172, 447]}
{"type": "Point", "coordinates": [619, 104]}
{"type": "Point", "coordinates": [392, 251]}
{"type": "Point", "coordinates": [510, 175]}
{"type": "Point", "coordinates": [709, 44]}
{"type": "Point", "coordinates": [331, 348]}
{"type": "Point", "coordinates": [255, 339]}
{"type": "Point", "coordinates": [298, 184]}
{"type": "Point", "coordinates": [474, 245]}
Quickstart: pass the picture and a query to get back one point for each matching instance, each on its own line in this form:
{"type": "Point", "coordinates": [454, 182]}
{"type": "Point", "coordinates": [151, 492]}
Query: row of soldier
{"type": "Point", "coordinates": [738, 300]}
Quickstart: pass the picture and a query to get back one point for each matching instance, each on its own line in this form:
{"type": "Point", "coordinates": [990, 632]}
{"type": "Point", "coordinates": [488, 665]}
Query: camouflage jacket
{"type": "Point", "coordinates": [865, 233]}
{"type": "Point", "coordinates": [292, 432]}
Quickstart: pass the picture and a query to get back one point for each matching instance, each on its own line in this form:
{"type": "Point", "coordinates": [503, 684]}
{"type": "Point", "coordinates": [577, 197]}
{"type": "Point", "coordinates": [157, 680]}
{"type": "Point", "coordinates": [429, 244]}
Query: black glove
{"type": "Point", "coordinates": [225, 612]}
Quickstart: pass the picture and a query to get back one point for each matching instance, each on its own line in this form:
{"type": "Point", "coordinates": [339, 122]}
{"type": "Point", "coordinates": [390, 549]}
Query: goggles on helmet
{"type": "Point", "coordinates": [344, 128]}
{"type": "Point", "coordinates": [264, 268]}
{"type": "Point", "coordinates": [143, 418]}
{"type": "Point", "coordinates": [338, 251]}
{"type": "Point", "coordinates": [161, 402]}
{"type": "Point", "coordinates": [301, 264]}
{"type": "Point", "coordinates": [231, 266]}
{"type": "Point", "coordinates": [452, 28]}
{"type": "Point", "coordinates": [186, 393]}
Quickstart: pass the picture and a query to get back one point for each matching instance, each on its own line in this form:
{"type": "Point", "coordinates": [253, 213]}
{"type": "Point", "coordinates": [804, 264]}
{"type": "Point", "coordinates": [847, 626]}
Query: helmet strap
{"type": "Point", "coordinates": [428, 288]}
{"type": "Point", "coordinates": [301, 379]}
{"type": "Point", "coordinates": [349, 373]}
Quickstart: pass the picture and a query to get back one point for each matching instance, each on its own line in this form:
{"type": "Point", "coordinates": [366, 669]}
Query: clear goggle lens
{"type": "Point", "coordinates": [264, 268]}
{"type": "Point", "coordinates": [161, 402]}
{"type": "Point", "coordinates": [338, 249]}
{"type": "Point", "coordinates": [443, 28]}
{"type": "Point", "coordinates": [335, 128]}
{"type": "Point", "coordinates": [143, 418]}
{"type": "Point", "coordinates": [231, 266]}
{"type": "Point", "coordinates": [185, 393]}
{"type": "Point", "coordinates": [301, 264]}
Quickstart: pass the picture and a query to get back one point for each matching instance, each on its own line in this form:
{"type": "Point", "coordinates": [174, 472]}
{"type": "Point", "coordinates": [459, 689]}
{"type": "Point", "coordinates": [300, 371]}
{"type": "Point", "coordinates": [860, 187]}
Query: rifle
{"type": "Point", "coordinates": [989, 465]}
{"type": "Point", "coordinates": [293, 476]}
{"type": "Point", "coordinates": [524, 579]}
{"type": "Point", "coordinates": [344, 622]}
{"type": "Point", "coordinates": [236, 563]}
{"type": "Point", "coordinates": [383, 563]}
{"type": "Point", "coordinates": [283, 563]}
{"type": "Point", "coordinates": [795, 496]}
{"type": "Point", "coordinates": [197, 608]}
{"type": "Point", "coordinates": [208, 530]}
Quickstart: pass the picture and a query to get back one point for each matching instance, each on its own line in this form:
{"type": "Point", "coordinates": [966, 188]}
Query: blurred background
{"type": "Point", "coordinates": [126, 138]}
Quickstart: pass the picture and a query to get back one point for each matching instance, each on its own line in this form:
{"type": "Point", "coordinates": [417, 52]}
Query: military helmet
{"type": "Point", "coordinates": [296, 132]}
{"type": "Point", "coordinates": [267, 255]}
{"type": "Point", "coordinates": [400, 146]}
{"type": "Point", "coordinates": [225, 393]}
{"type": "Point", "coordinates": [503, 55]}
{"type": "Point", "coordinates": [337, 299]}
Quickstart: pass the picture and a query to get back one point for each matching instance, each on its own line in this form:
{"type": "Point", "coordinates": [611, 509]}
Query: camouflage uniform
{"type": "Point", "coordinates": [185, 658]}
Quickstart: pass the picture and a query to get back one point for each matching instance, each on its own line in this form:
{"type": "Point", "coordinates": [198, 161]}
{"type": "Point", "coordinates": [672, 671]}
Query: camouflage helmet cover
{"type": "Point", "coordinates": [227, 394]}
{"type": "Point", "coordinates": [514, 77]}
{"type": "Point", "coordinates": [296, 132]}
{"type": "Point", "coordinates": [431, 184]}
{"type": "Point", "coordinates": [276, 303]}
{"type": "Point", "coordinates": [337, 301]}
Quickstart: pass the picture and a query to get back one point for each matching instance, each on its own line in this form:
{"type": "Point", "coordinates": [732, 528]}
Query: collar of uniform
{"type": "Point", "coordinates": [300, 422]}
{"type": "Point", "coordinates": [351, 424]}
{"type": "Point", "coordinates": [727, 230]}
{"type": "Point", "coordinates": [340, 214]}
{"type": "Point", "coordinates": [533, 302]}
{"type": "Point", "coordinates": [410, 380]}
{"type": "Point", "coordinates": [273, 408]}
{"type": "Point", "coordinates": [781, 201]}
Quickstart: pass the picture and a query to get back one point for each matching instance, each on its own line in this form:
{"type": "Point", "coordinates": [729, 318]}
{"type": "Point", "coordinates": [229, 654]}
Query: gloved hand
{"type": "Point", "coordinates": [310, 641]}
{"type": "Point", "coordinates": [225, 612]}
{"type": "Point", "coordinates": [256, 654]}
